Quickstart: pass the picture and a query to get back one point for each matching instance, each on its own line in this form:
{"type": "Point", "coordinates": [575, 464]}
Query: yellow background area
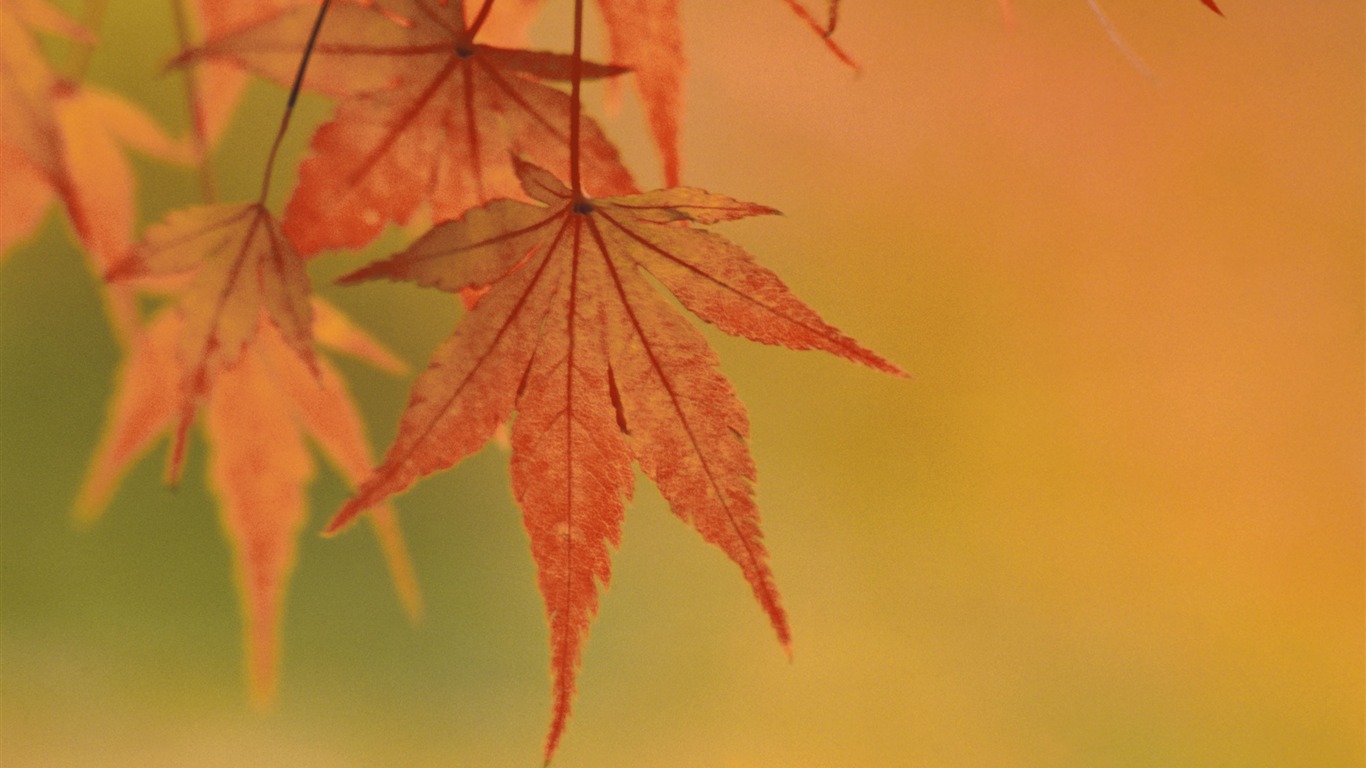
{"type": "Point", "coordinates": [1115, 518]}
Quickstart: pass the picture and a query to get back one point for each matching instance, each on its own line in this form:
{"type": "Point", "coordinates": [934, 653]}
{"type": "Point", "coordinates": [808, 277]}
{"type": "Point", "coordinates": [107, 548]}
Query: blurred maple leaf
{"type": "Point", "coordinates": [426, 115]}
{"type": "Point", "coordinates": [257, 414]}
{"type": "Point", "coordinates": [569, 333]}
{"type": "Point", "coordinates": [240, 267]}
{"type": "Point", "coordinates": [66, 141]}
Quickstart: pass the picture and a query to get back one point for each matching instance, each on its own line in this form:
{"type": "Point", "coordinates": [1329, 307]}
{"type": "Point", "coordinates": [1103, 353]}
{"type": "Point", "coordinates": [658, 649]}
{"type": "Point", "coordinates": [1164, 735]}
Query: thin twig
{"type": "Point", "coordinates": [576, 102]}
{"type": "Point", "coordinates": [293, 97]}
{"type": "Point", "coordinates": [480, 18]}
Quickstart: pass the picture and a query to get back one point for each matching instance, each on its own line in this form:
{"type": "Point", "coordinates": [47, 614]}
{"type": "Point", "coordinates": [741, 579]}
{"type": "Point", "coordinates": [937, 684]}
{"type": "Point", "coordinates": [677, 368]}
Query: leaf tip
{"type": "Point", "coordinates": [175, 462]}
{"type": "Point", "coordinates": [349, 512]}
{"type": "Point", "coordinates": [127, 268]}
{"type": "Point", "coordinates": [363, 275]}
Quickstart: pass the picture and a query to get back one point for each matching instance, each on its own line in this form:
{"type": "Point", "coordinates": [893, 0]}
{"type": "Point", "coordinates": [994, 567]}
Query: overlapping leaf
{"type": "Point", "coordinates": [426, 115]}
{"type": "Point", "coordinates": [257, 414]}
{"type": "Point", "coordinates": [600, 372]}
{"type": "Point", "coordinates": [647, 36]}
{"type": "Point", "coordinates": [239, 266]}
{"type": "Point", "coordinates": [66, 142]}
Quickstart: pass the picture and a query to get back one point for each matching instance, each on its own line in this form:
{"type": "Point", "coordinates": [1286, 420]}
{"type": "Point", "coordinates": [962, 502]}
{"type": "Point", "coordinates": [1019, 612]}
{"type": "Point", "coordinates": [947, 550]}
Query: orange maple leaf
{"type": "Point", "coordinates": [601, 372]}
{"type": "Point", "coordinates": [66, 141]}
{"type": "Point", "coordinates": [256, 417]}
{"type": "Point", "coordinates": [426, 115]}
{"type": "Point", "coordinates": [240, 267]}
{"type": "Point", "coordinates": [647, 36]}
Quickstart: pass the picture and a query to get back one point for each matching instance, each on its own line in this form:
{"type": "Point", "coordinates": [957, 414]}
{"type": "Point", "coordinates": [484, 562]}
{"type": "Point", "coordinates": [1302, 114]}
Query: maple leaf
{"type": "Point", "coordinates": [647, 36]}
{"type": "Point", "coordinates": [256, 417]}
{"type": "Point", "coordinates": [425, 115]}
{"type": "Point", "coordinates": [241, 266]}
{"type": "Point", "coordinates": [41, 15]}
{"type": "Point", "coordinates": [72, 135]}
{"type": "Point", "coordinates": [25, 197]}
{"type": "Point", "coordinates": [66, 141]}
{"type": "Point", "coordinates": [600, 371]}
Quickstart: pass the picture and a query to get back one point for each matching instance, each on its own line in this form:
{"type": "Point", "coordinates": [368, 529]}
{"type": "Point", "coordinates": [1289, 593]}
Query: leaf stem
{"type": "Point", "coordinates": [479, 19]}
{"type": "Point", "coordinates": [293, 97]}
{"type": "Point", "coordinates": [576, 102]}
{"type": "Point", "coordinates": [198, 131]}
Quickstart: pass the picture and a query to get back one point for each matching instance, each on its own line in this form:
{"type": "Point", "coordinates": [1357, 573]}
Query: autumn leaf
{"type": "Point", "coordinates": [647, 37]}
{"type": "Point", "coordinates": [601, 372]}
{"type": "Point", "coordinates": [425, 115]}
{"type": "Point", "coordinates": [25, 197]}
{"type": "Point", "coordinates": [259, 466]}
{"type": "Point", "coordinates": [67, 142]}
{"type": "Point", "coordinates": [240, 267]}
{"type": "Point", "coordinates": [73, 136]}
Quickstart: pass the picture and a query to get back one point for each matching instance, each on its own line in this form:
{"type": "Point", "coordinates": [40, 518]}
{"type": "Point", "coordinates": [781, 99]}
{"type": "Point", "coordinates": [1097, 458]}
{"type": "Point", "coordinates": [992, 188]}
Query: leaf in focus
{"type": "Point", "coordinates": [256, 417]}
{"type": "Point", "coordinates": [425, 115]}
{"type": "Point", "coordinates": [240, 268]}
{"type": "Point", "coordinates": [601, 371]}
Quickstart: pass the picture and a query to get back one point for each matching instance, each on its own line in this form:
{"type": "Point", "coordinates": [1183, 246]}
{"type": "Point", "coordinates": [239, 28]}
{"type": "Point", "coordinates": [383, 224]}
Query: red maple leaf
{"type": "Point", "coordinates": [426, 115]}
{"type": "Point", "coordinates": [600, 371]}
{"type": "Point", "coordinates": [257, 414]}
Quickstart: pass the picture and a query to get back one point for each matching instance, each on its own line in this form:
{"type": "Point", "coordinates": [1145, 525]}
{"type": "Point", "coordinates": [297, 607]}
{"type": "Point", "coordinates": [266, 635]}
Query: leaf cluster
{"type": "Point", "coordinates": [439, 110]}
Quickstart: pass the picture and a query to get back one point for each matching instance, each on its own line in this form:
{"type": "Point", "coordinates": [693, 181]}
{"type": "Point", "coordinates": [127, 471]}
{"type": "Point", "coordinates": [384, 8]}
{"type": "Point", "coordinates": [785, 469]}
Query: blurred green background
{"type": "Point", "coordinates": [1116, 518]}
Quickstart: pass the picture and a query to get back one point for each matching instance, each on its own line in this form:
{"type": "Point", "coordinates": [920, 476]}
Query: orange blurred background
{"type": "Point", "coordinates": [1116, 518]}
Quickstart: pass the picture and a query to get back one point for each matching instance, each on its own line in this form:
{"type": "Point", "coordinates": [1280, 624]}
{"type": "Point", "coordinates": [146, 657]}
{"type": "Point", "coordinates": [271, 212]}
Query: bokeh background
{"type": "Point", "coordinates": [1116, 518]}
